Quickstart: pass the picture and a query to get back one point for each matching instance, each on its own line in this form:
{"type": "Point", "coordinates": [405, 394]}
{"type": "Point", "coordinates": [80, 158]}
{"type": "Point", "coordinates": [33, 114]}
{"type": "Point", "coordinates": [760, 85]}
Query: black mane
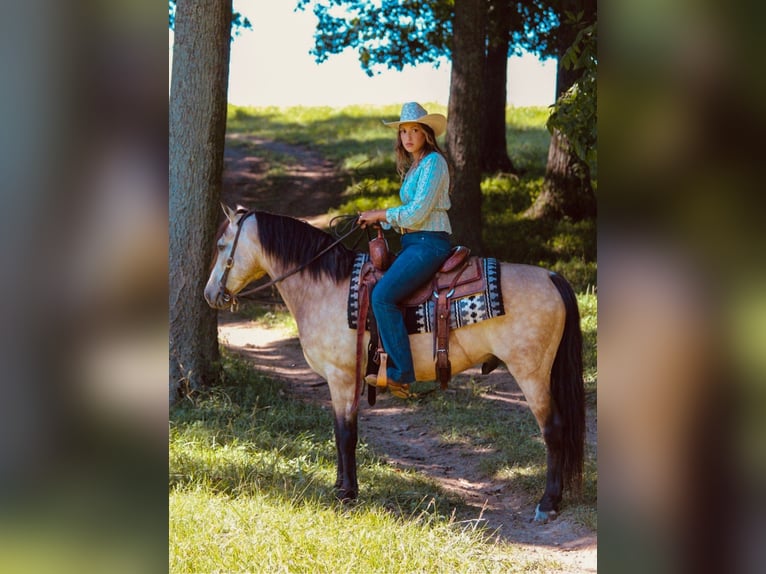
{"type": "Point", "coordinates": [293, 242]}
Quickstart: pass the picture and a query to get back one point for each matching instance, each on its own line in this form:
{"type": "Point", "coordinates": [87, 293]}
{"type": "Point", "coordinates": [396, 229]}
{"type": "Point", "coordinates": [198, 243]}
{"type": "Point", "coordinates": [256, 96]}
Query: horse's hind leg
{"type": "Point", "coordinates": [553, 435]}
{"type": "Point", "coordinates": [548, 419]}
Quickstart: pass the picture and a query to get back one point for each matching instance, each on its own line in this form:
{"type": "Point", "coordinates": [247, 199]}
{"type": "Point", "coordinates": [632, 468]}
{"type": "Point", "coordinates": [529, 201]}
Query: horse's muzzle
{"type": "Point", "coordinates": [228, 300]}
{"type": "Point", "coordinates": [222, 300]}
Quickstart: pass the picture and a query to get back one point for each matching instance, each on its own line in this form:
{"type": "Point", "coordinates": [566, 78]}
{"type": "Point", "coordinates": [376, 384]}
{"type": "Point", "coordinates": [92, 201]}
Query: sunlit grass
{"type": "Point", "coordinates": [274, 316]}
{"type": "Point", "coordinates": [211, 533]}
{"type": "Point", "coordinates": [251, 474]}
{"type": "Point", "coordinates": [588, 304]}
{"type": "Point", "coordinates": [355, 138]}
{"type": "Point", "coordinates": [528, 139]}
{"type": "Point", "coordinates": [527, 116]}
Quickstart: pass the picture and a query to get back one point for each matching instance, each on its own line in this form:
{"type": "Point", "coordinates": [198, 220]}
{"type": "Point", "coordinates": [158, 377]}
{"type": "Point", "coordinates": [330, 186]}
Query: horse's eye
{"type": "Point", "coordinates": [220, 247]}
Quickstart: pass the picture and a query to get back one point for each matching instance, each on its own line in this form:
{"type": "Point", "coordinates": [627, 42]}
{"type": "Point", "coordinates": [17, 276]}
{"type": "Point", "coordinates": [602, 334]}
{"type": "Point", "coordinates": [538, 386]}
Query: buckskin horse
{"type": "Point", "coordinates": [538, 337]}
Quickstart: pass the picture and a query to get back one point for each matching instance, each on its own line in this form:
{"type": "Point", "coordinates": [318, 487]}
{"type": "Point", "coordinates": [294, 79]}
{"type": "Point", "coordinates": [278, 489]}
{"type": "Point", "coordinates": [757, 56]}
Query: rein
{"type": "Point", "coordinates": [228, 297]}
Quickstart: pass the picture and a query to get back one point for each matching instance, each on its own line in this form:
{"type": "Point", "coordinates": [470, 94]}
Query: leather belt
{"type": "Point", "coordinates": [405, 230]}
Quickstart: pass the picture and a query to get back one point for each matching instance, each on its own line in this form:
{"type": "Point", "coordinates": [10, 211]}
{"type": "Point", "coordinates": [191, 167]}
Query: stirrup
{"type": "Point", "coordinates": [371, 379]}
{"type": "Point", "coordinates": [382, 378]}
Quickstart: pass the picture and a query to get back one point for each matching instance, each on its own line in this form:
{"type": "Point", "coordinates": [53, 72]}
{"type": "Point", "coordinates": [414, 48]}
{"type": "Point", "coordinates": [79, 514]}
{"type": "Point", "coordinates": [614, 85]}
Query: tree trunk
{"type": "Point", "coordinates": [566, 188]}
{"type": "Point", "coordinates": [464, 112]}
{"type": "Point", "coordinates": [494, 154]}
{"type": "Point", "coordinates": [198, 97]}
{"type": "Point", "coordinates": [567, 191]}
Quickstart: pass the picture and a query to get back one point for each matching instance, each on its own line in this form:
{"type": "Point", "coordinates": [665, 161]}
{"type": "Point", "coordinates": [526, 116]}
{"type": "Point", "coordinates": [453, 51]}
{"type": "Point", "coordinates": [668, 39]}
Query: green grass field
{"type": "Point", "coordinates": [251, 475]}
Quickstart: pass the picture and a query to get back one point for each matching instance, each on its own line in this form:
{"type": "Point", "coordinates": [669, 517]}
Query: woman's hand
{"type": "Point", "coordinates": [371, 217]}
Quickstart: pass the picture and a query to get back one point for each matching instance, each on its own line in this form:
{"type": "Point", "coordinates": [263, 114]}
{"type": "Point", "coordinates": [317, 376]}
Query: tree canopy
{"type": "Point", "coordinates": [394, 34]}
{"type": "Point", "coordinates": [388, 33]}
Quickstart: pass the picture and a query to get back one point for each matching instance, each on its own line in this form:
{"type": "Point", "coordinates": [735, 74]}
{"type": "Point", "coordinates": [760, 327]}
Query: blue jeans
{"type": "Point", "coordinates": [423, 252]}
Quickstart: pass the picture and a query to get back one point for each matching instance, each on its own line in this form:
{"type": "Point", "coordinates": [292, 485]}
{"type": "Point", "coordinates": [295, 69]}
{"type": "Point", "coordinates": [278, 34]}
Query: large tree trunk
{"type": "Point", "coordinates": [494, 155]}
{"type": "Point", "coordinates": [567, 191]}
{"type": "Point", "coordinates": [198, 95]}
{"type": "Point", "coordinates": [566, 188]}
{"type": "Point", "coordinates": [464, 112]}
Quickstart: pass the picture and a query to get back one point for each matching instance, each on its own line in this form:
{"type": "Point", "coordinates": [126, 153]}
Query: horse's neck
{"type": "Point", "coordinates": [306, 298]}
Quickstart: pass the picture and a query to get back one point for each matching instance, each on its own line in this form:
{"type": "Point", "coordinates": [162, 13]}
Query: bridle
{"type": "Point", "coordinates": [225, 294]}
{"type": "Point", "coordinates": [229, 297]}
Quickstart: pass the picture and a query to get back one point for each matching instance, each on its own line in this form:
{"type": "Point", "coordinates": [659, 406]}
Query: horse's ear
{"type": "Point", "coordinates": [230, 213]}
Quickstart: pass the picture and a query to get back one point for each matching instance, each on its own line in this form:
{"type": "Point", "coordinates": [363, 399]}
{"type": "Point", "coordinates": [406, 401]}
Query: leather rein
{"type": "Point", "coordinates": [229, 297]}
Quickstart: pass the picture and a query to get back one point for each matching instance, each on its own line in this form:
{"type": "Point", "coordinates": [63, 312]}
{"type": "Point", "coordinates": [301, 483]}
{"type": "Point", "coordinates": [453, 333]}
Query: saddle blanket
{"type": "Point", "coordinates": [464, 311]}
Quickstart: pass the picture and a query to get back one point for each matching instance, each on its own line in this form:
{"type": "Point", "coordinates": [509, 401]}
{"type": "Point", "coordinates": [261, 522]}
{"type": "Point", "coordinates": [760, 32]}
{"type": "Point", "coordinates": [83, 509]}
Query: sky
{"type": "Point", "coordinates": [271, 66]}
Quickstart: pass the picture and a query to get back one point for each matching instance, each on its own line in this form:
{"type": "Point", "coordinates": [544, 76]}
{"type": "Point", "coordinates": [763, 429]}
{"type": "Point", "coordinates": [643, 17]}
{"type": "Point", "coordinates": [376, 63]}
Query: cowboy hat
{"type": "Point", "coordinates": [414, 112]}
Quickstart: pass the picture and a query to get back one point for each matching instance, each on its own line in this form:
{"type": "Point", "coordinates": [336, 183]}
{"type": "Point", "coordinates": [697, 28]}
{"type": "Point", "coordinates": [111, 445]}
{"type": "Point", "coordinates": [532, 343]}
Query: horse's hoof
{"type": "Point", "coordinates": [345, 496]}
{"type": "Point", "coordinates": [544, 516]}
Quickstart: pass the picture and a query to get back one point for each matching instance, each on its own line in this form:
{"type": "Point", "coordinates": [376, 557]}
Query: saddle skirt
{"type": "Point", "coordinates": [475, 295]}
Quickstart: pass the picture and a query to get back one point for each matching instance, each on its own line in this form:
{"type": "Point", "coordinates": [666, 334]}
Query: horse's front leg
{"type": "Point", "coordinates": [346, 486]}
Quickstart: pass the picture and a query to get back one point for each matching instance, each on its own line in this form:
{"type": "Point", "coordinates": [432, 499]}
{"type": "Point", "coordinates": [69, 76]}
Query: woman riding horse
{"type": "Point", "coordinates": [422, 219]}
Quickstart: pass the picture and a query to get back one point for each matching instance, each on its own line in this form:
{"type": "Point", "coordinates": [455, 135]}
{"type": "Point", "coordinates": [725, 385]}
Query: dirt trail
{"type": "Point", "coordinates": [392, 428]}
{"type": "Point", "coordinates": [306, 188]}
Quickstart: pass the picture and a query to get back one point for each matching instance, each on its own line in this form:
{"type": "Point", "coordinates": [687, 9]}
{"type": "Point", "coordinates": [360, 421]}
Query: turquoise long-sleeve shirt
{"type": "Point", "coordinates": [425, 197]}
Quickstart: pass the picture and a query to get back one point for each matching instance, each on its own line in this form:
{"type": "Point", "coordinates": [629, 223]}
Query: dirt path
{"type": "Point", "coordinates": [306, 188]}
{"type": "Point", "coordinates": [392, 428]}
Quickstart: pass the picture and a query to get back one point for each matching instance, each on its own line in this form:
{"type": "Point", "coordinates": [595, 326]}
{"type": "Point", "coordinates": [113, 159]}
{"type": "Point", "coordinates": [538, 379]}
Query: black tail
{"type": "Point", "coordinates": [567, 387]}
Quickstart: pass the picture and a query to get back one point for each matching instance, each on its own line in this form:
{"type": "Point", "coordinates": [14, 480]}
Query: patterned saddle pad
{"type": "Point", "coordinates": [464, 311]}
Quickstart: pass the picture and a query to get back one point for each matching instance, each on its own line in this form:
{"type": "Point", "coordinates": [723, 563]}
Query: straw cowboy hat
{"type": "Point", "coordinates": [414, 112]}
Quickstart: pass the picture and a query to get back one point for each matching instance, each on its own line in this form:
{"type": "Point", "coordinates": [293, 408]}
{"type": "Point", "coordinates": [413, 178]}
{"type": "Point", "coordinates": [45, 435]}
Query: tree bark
{"type": "Point", "coordinates": [494, 155]}
{"type": "Point", "coordinates": [465, 113]}
{"type": "Point", "coordinates": [566, 190]}
{"type": "Point", "coordinates": [198, 98]}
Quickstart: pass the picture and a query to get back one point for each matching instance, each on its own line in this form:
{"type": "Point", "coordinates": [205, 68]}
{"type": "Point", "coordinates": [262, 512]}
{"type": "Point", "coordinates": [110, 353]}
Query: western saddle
{"type": "Point", "coordinates": [460, 275]}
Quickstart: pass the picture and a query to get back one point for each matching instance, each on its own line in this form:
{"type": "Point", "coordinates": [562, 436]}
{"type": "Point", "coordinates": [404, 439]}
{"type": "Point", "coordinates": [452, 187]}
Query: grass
{"type": "Point", "coordinates": [588, 304]}
{"type": "Point", "coordinates": [351, 137]}
{"type": "Point", "coordinates": [251, 474]}
{"type": "Point", "coordinates": [257, 534]}
{"type": "Point", "coordinates": [527, 139]}
{"type": "Point", "coordinates": [467, 417]}
{"type": "Point", "coordinates": [268, 315]}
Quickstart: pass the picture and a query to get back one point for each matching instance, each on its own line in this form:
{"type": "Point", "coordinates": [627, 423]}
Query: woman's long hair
{"type": "Point", "coordinates": [404, 159]}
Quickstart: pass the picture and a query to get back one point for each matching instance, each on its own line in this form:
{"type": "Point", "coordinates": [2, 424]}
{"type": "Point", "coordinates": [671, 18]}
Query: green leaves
{"type": "Point", "coordinates": [389, 34]}
{"type": "Point", "coordinates": [394, 34]}
{"type": "Point", "coordinates": [574, 113]}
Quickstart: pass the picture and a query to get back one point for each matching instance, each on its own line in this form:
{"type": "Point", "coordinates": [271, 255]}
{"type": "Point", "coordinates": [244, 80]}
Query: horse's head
{"type": "Point", "coordinates": [235, 262]}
